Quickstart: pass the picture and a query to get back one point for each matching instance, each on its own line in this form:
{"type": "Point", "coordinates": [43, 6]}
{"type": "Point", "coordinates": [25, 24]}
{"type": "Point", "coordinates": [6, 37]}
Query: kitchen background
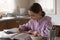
{"type": "Point", "coordinates": [20, 7]}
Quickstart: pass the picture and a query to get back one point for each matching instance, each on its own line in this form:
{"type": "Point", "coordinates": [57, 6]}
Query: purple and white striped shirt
{"type": "Point", "coordinates": [41, 26]}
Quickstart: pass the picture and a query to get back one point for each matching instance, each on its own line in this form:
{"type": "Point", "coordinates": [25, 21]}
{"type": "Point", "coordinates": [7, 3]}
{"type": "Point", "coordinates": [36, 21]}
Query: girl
{"type": "Point", "coordinates": [39, 23]}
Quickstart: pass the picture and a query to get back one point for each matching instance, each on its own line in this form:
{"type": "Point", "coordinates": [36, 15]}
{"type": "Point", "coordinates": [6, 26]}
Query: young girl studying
{"type": "Point", "coordinates": [39, 23]}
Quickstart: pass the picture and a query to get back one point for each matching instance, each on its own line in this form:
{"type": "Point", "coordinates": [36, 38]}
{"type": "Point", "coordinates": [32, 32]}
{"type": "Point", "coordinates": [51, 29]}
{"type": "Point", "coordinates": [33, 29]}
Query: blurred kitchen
{"type": "Point", "coordinates": [15, 12]}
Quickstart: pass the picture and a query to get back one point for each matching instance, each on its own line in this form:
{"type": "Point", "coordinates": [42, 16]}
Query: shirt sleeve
{"type": "Point", "coordinates": [47, 27]}
{"type": "Point", "coordinates": [27, 26]}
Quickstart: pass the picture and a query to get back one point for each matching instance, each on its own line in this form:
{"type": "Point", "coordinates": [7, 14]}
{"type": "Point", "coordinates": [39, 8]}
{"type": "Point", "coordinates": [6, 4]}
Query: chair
{"type": "Point", "coordinates": [52, 33]}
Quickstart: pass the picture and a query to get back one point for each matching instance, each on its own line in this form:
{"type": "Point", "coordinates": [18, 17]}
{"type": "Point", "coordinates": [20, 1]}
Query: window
{"type": "Point", "coordinates": [7, 6]}
{"type": "Point", "coordinates": [48, 6]}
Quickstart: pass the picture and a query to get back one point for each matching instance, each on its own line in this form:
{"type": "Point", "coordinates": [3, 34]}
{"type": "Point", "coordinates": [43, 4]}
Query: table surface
{"type": "Point", "coordinates": [2, 34]}
{"type": "Point", "coordinates": [19, 36]}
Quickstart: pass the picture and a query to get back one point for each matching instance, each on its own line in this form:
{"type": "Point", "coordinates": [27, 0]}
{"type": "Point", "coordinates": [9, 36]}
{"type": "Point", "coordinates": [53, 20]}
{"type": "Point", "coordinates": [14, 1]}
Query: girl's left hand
{"type": "Point", "coordinates": [35, 34]}
{"type": "Point", "coordinates": [30, 32]}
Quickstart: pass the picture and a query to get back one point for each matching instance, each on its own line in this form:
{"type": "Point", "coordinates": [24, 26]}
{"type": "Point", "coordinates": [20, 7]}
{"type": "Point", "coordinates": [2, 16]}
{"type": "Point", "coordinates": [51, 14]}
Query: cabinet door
{"type": "Point", "coordinates": [12, 24]}
{"type": "Point", "coordinates": [58, 31]}
{"type": "Point", "coordinates": [23, 21]}
{"type": "Point", "coordinates": [2, 25]}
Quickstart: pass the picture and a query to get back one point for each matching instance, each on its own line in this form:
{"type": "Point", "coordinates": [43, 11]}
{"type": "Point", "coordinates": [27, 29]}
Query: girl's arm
{"type": "Point", "coordinates": [47, 28]}
{"type": "Point", "coordinates": [26, 27]}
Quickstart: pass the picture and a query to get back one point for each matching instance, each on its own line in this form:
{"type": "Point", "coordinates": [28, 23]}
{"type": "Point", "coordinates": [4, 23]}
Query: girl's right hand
{"type": "Point", "coordinates": [20, 28]}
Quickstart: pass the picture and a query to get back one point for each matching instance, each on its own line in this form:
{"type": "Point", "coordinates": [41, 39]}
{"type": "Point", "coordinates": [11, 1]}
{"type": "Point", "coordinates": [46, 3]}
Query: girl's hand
{"type": "Point", "coordinates": [20, 28]}
{"type": "Point", "coordinates": [35, 34]}
{"type": "Point", "coordinates": [30, 32]}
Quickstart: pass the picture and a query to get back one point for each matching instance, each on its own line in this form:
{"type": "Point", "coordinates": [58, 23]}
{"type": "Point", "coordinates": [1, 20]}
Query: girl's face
{"type": "Point", "coordinates": [35, 16]}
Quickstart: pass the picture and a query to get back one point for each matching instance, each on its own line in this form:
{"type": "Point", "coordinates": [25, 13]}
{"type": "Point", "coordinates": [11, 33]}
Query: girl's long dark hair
{"type": "Point", "coordinates": [36, 8]}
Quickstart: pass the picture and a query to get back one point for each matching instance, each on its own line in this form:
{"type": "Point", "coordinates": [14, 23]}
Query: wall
{"type": "Point", "coordinates": [27, 3]}
{"type": "Point", "coordinates": [31, 2]}
{"type": "Point", "coordinates": [23, 3]}
{"type": "Point", "coordinates": [58, 7]}
{"type": "Point", "coordinates": [56, 17]}
{"type": "Point", "coordinates": [20, 4]}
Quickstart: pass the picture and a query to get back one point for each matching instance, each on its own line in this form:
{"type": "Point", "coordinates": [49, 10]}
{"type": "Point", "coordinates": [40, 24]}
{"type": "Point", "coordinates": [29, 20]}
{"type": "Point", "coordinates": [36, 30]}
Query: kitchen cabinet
{"type": "Point", "coordinates": [12, 23]}
{"type": "Point", "coordinates": [15, 23]}
{"type": "Point", "coordinates": [57, 30]}
{"type": "Point", "coordinates": [23, 21]}
{"type": "Point", "coordinates": [2, 25]}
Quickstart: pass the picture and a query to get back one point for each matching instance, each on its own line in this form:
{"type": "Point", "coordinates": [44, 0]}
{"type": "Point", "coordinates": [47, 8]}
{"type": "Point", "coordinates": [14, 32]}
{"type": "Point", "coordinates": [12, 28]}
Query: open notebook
{"type": "Point", "coordinates": [19, 36]}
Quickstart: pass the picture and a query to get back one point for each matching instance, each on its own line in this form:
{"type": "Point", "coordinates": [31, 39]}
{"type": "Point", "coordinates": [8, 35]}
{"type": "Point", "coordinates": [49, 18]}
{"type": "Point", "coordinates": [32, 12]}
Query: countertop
{"type": "Point", "coordinates": [10, 18]}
